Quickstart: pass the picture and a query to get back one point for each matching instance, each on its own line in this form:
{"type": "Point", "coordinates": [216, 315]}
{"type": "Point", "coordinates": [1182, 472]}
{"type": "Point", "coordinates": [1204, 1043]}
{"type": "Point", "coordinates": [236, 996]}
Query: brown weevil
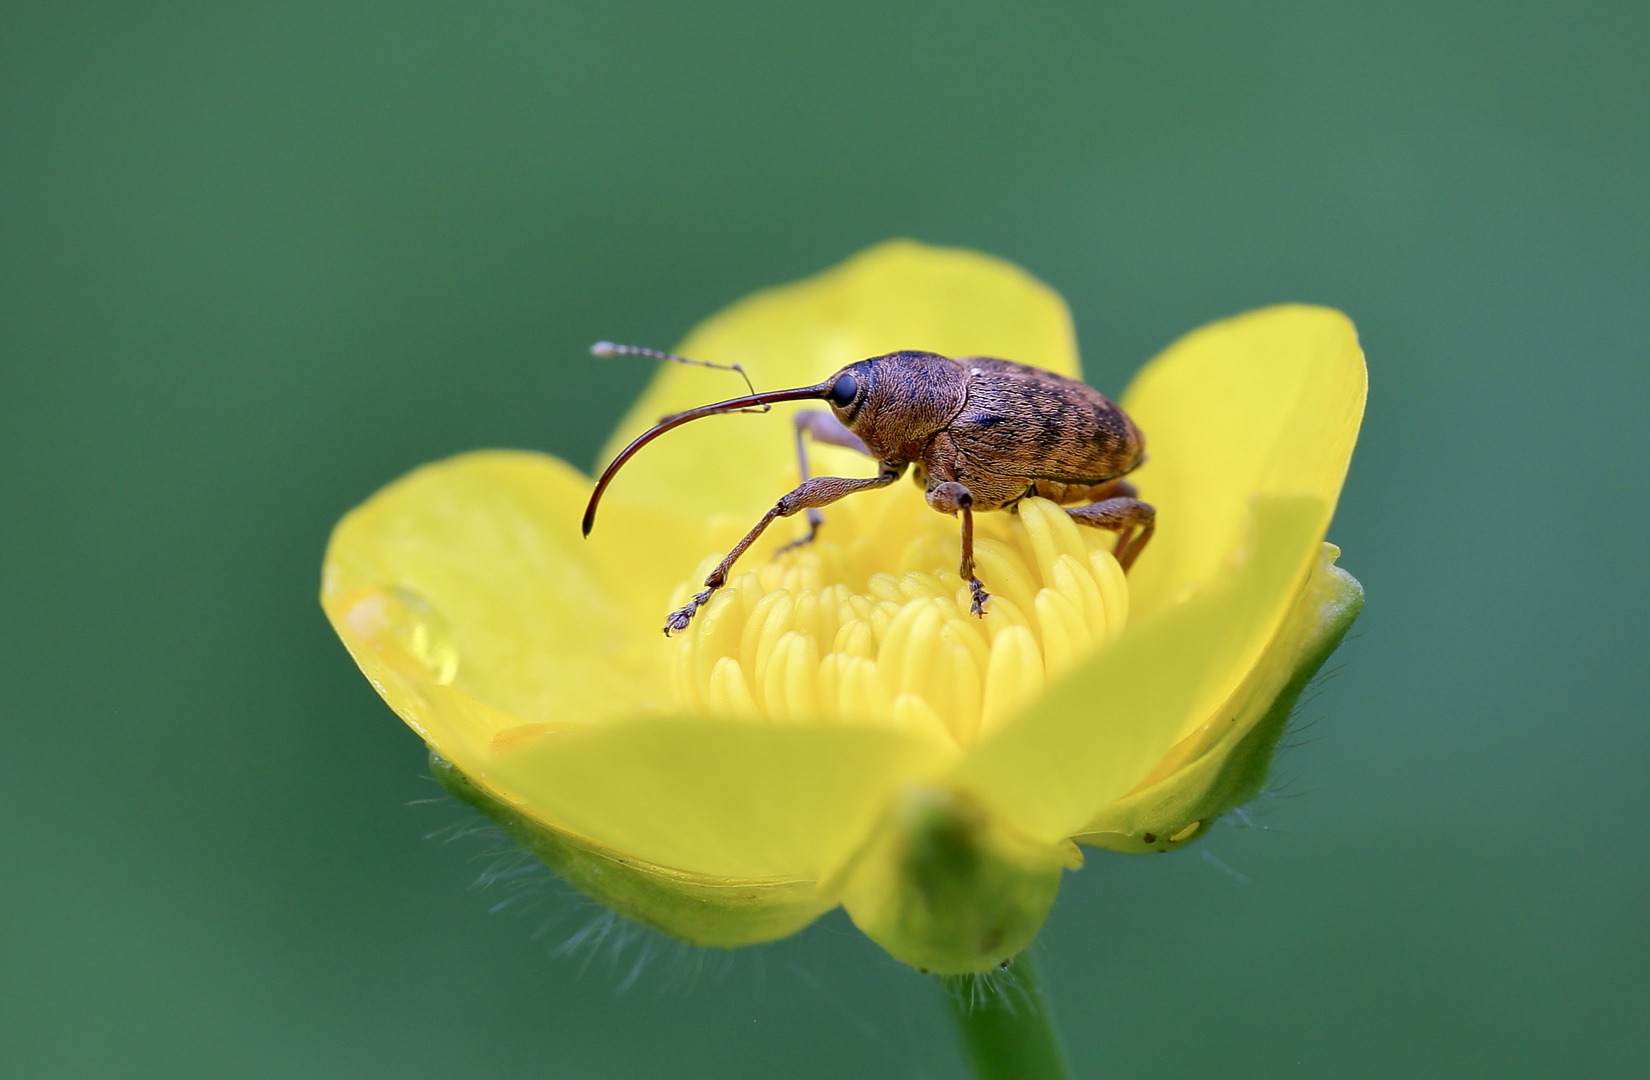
{"type": "Point", "coordinates": [981, 433]}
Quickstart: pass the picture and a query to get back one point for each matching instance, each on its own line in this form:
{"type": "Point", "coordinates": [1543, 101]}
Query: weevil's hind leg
{"type": "Point", "coordinates": [952, 498]}
{"type": "Point", "coordinates": [1132, 520]}
{"type": "Point", "coordinates": [810, 495]}
{"type": "Point", "coordinates": [824, 427]}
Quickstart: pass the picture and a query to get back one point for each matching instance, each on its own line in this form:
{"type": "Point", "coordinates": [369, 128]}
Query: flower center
{"type": "Point", "coordinates": [871, 622]}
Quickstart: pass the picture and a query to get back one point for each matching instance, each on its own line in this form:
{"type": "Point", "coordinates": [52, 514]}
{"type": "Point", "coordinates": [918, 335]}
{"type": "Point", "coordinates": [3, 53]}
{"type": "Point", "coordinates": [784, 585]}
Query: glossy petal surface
{"type": "Point", "coordinates": [722, 797]}
{"type": "Point", "coordinates": [519, 612]}
{"type": "Point", "coordinates": [1100, 729]}
{"type": "Point", "coordinates": [1224, 763]}
{"type": "Point", "coordinates": [1266, 402]}
{"type": "Point", "coordinates": [724, 912]}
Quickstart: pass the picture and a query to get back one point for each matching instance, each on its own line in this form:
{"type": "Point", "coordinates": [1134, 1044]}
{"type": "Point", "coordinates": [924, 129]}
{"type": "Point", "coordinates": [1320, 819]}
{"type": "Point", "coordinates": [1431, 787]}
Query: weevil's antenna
{"type": "Point", "coordinates": [739, 404]}
{"type": "Point", "coordinates": [608, 348]}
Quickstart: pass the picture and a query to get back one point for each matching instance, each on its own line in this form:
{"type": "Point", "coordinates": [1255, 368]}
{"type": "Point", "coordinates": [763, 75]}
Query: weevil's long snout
{"type": "Point", "coordinates": [770, 397]}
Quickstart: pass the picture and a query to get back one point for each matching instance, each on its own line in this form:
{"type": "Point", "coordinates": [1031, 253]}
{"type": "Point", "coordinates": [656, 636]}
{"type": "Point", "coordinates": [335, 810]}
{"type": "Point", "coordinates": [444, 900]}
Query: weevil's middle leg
{"type": "Point", "coordinates": [951, 498]}
{"type": "Point", "coordinates": [825, 428]}
{"type": "Point", "coordinates": [1132, 520]}
{"type": "Point", "coordinates": [811, 494]}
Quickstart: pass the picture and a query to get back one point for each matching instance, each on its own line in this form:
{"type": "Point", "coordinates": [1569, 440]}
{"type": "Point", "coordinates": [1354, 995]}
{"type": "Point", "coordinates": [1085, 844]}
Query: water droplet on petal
{"type": "Point", "coordinates": [405, 630]}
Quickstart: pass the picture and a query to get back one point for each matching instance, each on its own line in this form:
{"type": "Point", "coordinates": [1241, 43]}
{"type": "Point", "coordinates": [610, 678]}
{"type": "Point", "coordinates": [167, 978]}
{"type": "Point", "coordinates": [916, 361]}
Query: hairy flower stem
{"type": "Point", "coordinates": [1006, 1027]}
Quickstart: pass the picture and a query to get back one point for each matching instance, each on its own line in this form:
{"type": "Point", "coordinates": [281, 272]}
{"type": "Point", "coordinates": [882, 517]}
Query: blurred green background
{"type": "Point", "coordinates": [256, 260]}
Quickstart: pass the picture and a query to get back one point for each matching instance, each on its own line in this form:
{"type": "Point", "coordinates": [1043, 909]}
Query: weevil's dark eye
{"type": "Point", "coordinates": [843, 391]}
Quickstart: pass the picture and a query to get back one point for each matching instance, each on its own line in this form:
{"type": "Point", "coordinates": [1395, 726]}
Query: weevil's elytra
{"type": "Point", "coordinates": [980, 434]}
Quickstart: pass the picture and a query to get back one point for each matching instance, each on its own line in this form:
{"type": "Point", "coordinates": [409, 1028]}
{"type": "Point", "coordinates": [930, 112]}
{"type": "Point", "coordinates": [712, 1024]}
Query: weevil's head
{"type": "Point", "coordinates": [896, 402]}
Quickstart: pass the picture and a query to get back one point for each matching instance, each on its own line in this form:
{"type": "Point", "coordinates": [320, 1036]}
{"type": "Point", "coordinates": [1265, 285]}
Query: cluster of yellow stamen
{"type": "Point", "coordinates": [872, 623]}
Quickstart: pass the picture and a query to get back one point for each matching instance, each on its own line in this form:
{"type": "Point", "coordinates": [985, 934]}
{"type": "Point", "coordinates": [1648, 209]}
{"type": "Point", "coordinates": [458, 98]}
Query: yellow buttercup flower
{"type": "Point", "coordinates": [835, 728]}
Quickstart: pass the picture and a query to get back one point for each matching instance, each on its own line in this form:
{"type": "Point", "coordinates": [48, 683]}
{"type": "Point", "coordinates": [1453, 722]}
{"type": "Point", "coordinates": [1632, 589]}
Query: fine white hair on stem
{"type": "Point", "coordinates": [597, 943]}
{"type": "Point", "coordinates": [623, 951]}
{"type": "Point", "coordinates": [1209, 857]}
{"type": "Point", "coordinates": [999, 989]}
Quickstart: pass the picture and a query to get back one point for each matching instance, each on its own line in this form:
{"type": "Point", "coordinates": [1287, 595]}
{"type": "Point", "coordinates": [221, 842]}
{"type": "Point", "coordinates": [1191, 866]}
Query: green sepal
{"type": "Point", "coordinates": [947, 890]}
{"type": "Point", "coordinates": [1178, 808]}
{"type": "Point", "coordinates": [720, 912]}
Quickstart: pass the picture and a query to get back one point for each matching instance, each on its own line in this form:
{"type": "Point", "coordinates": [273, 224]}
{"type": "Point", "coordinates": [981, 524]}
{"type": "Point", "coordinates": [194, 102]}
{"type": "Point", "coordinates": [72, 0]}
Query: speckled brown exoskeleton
{"type": "Point", "coordinates": [981, 433]}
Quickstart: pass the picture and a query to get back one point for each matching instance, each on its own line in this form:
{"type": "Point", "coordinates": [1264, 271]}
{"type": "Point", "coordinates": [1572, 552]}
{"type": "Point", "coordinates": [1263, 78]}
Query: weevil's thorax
{"type": "Point", "coordinates": [906, 398]}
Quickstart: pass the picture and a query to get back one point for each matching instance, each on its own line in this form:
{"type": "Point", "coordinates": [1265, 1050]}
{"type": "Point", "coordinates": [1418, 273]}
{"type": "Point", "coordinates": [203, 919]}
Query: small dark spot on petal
{"type": "Point", "coordinates": [1150, 838]}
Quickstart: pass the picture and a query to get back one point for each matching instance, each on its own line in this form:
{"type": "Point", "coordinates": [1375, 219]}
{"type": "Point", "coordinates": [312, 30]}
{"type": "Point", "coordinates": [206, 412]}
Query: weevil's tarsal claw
{"type": "Point", "coordinates": [977, 589]}
{"type": "Point", "coordinates": [678, 620]}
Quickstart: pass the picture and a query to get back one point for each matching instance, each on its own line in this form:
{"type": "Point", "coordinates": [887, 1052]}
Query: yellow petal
{"type": "Point", "coordinates": [1224, 762]}
{"type": "Point", "coordinates": [471, 573]}
{"type": "Point", "coordinates": [710, 911]}
{"type": "Point", "coordinates": [711, 796]}
{"type": "Point", "coordinates": [1099, 729]}
{"type": "Point", "coordinates": [1267, 402]}
{"type": "Point", "coordinates": [897, 295]}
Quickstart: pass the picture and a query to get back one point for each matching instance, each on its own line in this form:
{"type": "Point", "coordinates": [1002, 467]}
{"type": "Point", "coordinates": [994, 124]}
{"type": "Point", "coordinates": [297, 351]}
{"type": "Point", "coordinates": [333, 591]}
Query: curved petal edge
{"type": "Point", "coordinates": [1093, 735]}
{"type": "Point", "coordinates": [1232, 767]}
{"type": "Point", "coordinates": [1267, 402]}
{"type": "Point", "coordinates": [707, 911]}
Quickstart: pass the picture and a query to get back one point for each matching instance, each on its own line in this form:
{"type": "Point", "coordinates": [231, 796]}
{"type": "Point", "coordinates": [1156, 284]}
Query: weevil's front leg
{"type": "Point", "coordinates": [811, 494]}
{"type": "Point", "coordinates": [950, 498]}
{"type": "Point", "coordinates": [824, 427]}
{"type": "Point", "coordinates": [1123, 515]}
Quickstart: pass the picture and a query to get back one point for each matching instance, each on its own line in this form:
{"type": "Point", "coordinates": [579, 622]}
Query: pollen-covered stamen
{"type": "Point", "coordinates": [872, 623]}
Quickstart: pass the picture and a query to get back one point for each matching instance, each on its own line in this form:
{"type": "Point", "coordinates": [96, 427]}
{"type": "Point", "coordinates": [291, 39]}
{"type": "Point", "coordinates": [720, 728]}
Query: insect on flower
{"type": "Point", "coordinates": [834, 729]}
{"type": "Point", "coordinates": [981, 433]}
